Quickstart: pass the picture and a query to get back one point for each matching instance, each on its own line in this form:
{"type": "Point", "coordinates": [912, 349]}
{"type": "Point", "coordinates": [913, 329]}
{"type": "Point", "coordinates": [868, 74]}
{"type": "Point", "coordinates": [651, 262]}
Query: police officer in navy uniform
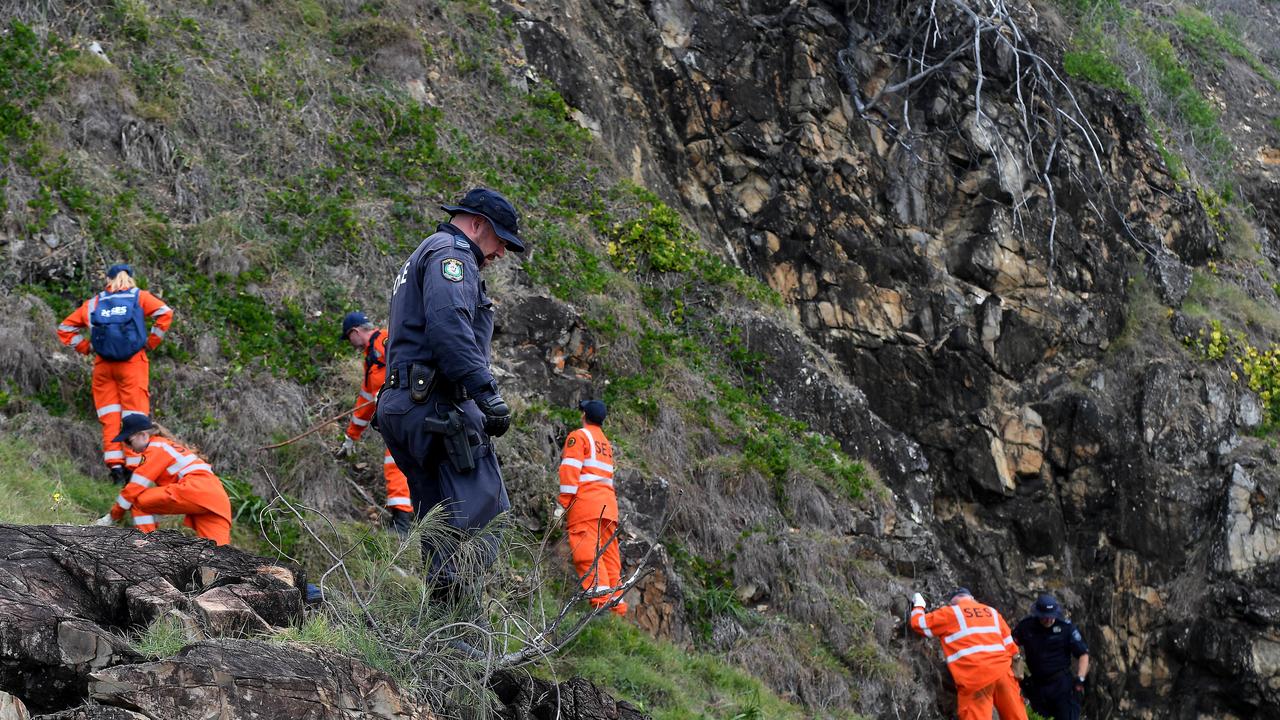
{"type": "Point", "coordinates": [1049, 641]}
{"type": "Point", "coordinates": [440, 407]}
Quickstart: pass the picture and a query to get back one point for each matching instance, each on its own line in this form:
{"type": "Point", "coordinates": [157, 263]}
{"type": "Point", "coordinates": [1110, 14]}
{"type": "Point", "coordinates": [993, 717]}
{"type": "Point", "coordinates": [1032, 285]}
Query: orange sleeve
{"type": "Point", "coordinates": [575, 450]}
{"type": "Point", "coordinates": [939, 622]}
{"type": "Point", "coordinates": [1007, 637]}
{"type": "Point", "coordinates": [143, 477]}
{"type": "Point", "coordinates": [72, 331]}
{"type": "Point", "coordinates": [161, 317]}
{"type": "Point", "coordinates": [365, 402]}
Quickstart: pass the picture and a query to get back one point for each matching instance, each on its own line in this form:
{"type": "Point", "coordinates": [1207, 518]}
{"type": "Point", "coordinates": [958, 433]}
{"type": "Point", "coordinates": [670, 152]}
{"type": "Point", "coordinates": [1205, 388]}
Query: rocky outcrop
{"type": "Point", "coordinates": [66, 592]}
{"type": "Point", "coordinates": [244, 678]}
{"type": "Point", "coordinates": [69, 596]}
{"type": "Point", "coordinates": [992, 351]}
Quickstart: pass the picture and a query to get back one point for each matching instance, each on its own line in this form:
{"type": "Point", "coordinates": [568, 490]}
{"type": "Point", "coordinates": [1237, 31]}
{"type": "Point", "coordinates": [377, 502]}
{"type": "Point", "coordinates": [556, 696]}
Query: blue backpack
{"type": "Point", "coordinates": [116, 328]}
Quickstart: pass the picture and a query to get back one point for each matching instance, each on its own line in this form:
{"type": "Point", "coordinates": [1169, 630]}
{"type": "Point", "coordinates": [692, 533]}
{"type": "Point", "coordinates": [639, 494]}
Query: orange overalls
{"type": "Point", "coordinates": [586, 491]}
{"type": "Point", "coordinates": [375, 371]}
{"type": "Point", "coordinates": [172, 480]}
{"type": "Point", "coordinates": [979, 652]}
{"type": "Point", "coordinates": [120, 388]}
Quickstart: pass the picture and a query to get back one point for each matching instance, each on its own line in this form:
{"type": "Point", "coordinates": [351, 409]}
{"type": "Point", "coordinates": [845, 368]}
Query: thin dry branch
{"type": "Point", "coordinates": [319, 426]}
{"type": "Point", "coordinates": [551, 639]}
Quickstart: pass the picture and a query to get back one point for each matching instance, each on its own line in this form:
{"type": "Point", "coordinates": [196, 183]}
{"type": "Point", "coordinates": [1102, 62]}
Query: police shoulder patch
{"type": "Point", "coordinates": [462, 244]}
{"type": "Point", "coordinates": [451, 269]}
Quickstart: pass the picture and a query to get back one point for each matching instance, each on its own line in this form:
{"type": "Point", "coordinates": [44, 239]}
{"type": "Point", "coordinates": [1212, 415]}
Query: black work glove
{"type": "Point", "coordinates": [497, 416]}
{"type": "Point", "coordinates": [1079, 688]}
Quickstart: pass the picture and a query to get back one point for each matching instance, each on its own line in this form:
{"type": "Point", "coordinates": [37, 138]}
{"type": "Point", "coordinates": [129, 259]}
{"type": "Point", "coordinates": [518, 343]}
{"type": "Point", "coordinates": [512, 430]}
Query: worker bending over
{"type": "Point", "coordinates": [979, 652]}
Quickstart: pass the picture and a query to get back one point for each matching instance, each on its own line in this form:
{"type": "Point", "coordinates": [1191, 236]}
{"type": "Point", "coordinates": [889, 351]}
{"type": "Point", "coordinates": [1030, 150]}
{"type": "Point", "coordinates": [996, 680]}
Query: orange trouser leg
{"type": "Point", "coordinates": [975, 703]}
{"type": "Point", "coordinates": [170, 500]}
{"type": "Point", "coordinates": [106, 400]}
{"type": "Point", "coordinates": [133, 378]}
{"type": "Point", "coordinates": [397, 485]}
{"type": "Point", "coordinates": [584, 541]}
{"type": "Point", "coordinates": [1008, 699]}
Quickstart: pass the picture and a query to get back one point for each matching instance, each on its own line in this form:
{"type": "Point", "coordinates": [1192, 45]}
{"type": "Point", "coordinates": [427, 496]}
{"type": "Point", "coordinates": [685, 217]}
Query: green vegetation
{"type": "Point", "coordinates": [43, 490]}
{"type": "Point", "coordinates": [1179, 85]}
{"type": "Point", "coordinates": [1232, 319]}
{"type": "Point", "coordinates": [656, 241]}
{"type": "Point", "coordinates": [27, 76]}
{"type": "Point", "coordinates": [668, 682]}
{"type": "Point", "coordinates": [1093, 65]}
{"type": "Point", "coordinates": [260, 524]}
{"type": "Point", "coordinates": [1211, 39]}
{"type": "Point", "coordinates": [1152, 58]}
{"type": "Point", "coordinates": [317, 167]}
{"type": "Point", "coordinates": [711, 593]}
{"type": "Point", "coordinates": [1258, 369]}
{"type": "Point", "coordinates": [164, 637]}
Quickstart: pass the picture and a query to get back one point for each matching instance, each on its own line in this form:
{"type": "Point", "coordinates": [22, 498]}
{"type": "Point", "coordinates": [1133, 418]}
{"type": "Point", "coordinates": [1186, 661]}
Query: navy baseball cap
{"type": "Point", "coordinates": [1046, 606]}
{"type": "Point", "coordinates": [133, 424]}
{"type": "Point", "coordinates": [353, 320]}
{"type": "Point", "coordinates": [119, 268]}
{"type": "Point", "coordinates": [594, 410]}
{"type": "Point", "coordinates": [499, 211]}
{"type": "Point", "coordinates": [958, 592]}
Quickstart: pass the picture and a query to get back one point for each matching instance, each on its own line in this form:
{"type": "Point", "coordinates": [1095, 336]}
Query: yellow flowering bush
{"type": "Point", "coordinates": [1259, 369]}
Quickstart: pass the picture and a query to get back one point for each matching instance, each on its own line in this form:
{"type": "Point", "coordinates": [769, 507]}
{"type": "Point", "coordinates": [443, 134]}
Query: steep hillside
{"type": "Point", "coordinates": [873, 312]}
{"type": "Point", "coordinates": [1022, 246]}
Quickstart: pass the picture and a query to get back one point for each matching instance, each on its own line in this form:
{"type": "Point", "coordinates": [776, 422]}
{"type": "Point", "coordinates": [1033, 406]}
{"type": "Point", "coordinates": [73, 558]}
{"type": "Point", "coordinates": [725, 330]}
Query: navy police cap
{"type": "Point", "coordinates": [492, 206]}
{"type": "Point", "coordinates": [352, 321]}
{"type": "Point", "coordinates": [1046, 606]}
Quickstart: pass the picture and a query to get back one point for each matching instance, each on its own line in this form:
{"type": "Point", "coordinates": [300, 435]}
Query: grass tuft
{"type": "Point", "coordinates": [162, 638]}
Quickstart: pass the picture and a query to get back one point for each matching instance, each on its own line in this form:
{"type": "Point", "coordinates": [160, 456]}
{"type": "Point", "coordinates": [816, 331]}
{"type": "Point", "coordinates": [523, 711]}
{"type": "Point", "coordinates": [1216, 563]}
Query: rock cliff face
{"type": "Point", "coordinates": [987, 272]}
{"type": "Point", "coordinates": [1002, 332]}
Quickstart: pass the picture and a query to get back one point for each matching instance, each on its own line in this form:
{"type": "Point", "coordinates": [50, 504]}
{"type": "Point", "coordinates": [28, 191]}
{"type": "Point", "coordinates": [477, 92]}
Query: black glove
{"type": "Point", "coordinates": [1079, 688]}
{"type": "Point", "coordinates": [497, 416]}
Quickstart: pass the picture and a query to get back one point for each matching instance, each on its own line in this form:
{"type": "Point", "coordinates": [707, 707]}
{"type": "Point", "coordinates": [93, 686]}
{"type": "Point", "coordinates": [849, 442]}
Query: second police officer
{"type": "Point", "coordinates": [1049, 642]}
{"type": "Point", "coordinates": [440, 407]}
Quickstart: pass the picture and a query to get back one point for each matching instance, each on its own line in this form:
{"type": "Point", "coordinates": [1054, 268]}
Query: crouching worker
{"type": "Point", "coordinates": [586, 493]}
{"type": "Point", "coordinates": [171, 480]}
{"type": "Point", "coordinates": [979, 651]}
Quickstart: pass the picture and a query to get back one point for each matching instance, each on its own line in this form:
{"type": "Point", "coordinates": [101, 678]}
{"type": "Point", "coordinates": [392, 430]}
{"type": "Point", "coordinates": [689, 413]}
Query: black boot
{"type": "Point", "coordinates": [401, 523]}
{"type": "Point", "coordinates": [120, 474]}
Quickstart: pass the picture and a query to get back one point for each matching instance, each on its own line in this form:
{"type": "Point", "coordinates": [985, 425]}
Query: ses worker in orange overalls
{"type": "Point", "coordinates": [586, 492]}
{"type": "Point", "coordinates": [364, 335]}
{"type": "Point", "coordinates": [979, 652]}
{"type": "Point", "coordinates": [170, 480]}
{"type": "Point", "coordinates": [111, 324]}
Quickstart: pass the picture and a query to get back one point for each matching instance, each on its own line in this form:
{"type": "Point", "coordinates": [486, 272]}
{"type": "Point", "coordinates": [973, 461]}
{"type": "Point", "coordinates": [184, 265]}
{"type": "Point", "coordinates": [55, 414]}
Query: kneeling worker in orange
{"type": "Point", "coordinates": [171, 480]}
{"type": "Point", "coordinates": [979, 652]}
{"type": "Point", "coordinates": [586, 492]}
